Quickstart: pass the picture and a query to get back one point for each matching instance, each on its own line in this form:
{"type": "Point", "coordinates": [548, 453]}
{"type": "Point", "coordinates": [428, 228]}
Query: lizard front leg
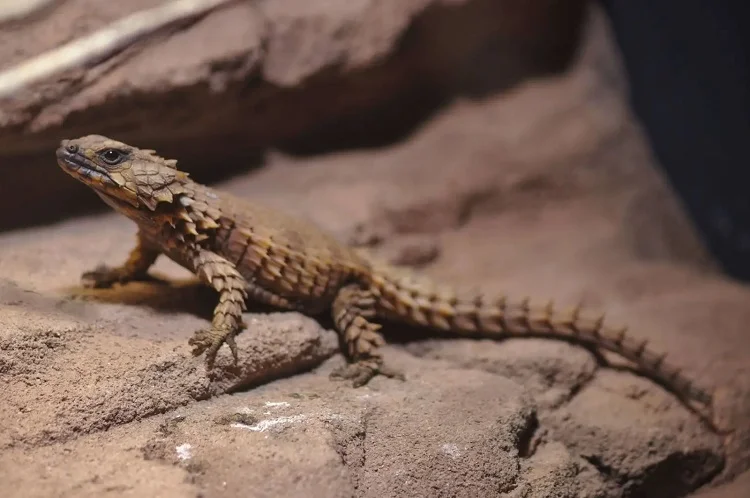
{"type": "Point", "coordinates": [222, 276]}
{"type": "Point", "coordinates": [141, 258]}
{"type": "Point", "coordinates": [351, 309]}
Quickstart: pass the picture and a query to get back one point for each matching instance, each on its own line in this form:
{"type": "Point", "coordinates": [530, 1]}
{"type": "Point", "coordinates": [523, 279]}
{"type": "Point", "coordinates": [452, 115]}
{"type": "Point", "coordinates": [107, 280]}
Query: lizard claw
{"type": "Point", "coordinates": [101, 277]}
{"type": "Point", "coordinates": [362, 372]}
{"type": "Point", "coordinates": [210, 340]}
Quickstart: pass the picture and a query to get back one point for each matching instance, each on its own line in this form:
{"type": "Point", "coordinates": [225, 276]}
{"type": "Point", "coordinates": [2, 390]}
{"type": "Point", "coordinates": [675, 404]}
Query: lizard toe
{"type": "Point", "coordinates": [200, 341]}
{"type": "Point", "coordinates": [233, 348]}
{"type": "Point", "coordinates": [209, 341]}
{"type": "Point", "coordinates": [100, 277]}
{"type": "Point", "coordinates": [363, 371]}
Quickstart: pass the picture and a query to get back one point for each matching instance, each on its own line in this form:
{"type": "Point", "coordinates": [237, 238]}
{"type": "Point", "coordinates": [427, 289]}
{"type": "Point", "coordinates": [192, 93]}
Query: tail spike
{"type": "Point", "coordinates": [620, 335]}
{"type": "Point", "coordinates": [525, 304]}
{"type": "Point", "coordinates": [549, 311]}
{"type": "Point", "coordinates": [575, 316]}
{"type": "Point", "coordinates": [658, 361]}
{"type": "Point", "coordinates": [598, 325]}
{"type": "Point", "coordinates": [641, 348]}
{"type": "Point", "coordinates": [502, 303]}
{"type": "Point", "coordinates": [478, 301]}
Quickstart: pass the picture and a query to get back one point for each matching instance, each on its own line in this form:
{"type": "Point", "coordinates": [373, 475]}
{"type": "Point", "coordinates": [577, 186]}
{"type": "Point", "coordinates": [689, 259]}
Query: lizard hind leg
{"type": "Point", "coordinates": [351, 309]}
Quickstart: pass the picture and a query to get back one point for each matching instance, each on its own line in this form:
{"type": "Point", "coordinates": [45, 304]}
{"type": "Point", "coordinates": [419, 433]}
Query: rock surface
{"type": "Point", "coordinates": [548, 191]}
{"type": "Point", "coordinates": [308, 76]}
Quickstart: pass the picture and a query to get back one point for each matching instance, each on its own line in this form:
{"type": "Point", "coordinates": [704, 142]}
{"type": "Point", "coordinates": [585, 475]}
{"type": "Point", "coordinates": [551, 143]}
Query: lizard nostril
{"type": "Point", "coordinates": [72, 148]}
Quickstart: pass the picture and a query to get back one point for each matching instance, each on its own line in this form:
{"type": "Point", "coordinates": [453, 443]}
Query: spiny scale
{"type": "Point", "coordinates": [419, 302]}
{"type": "Point", "coordinates": [244, 249]}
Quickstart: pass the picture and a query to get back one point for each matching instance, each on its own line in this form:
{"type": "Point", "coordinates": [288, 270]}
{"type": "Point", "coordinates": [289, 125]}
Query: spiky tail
{"type": "Point", "coordinates": [406, 297]}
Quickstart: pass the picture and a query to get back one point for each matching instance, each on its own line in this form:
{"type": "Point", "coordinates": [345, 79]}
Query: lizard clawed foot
{"type": "Point", "coordinates": [210, 340]}
{"type": "Point", "coordinates": [363, 371]}
{"type": "Point", "coordinates": [103, 277]}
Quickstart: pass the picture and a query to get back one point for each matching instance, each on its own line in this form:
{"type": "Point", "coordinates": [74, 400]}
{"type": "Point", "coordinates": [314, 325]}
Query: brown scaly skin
{"type": "Point", "coordinates": [249, 252]}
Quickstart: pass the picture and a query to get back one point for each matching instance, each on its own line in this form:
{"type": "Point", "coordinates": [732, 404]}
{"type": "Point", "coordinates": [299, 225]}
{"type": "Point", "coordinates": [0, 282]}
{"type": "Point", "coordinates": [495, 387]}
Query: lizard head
{"type": "Point", "coordinates": [125, 177]}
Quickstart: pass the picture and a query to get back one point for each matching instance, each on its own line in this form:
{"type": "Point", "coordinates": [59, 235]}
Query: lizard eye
{"type": "Point", "coordinates": [112, 156]}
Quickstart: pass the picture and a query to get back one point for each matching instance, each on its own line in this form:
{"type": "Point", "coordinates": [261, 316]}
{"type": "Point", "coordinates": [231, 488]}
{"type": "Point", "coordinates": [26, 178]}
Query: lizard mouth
{"type": "Point", "coordinates": [82, 168]}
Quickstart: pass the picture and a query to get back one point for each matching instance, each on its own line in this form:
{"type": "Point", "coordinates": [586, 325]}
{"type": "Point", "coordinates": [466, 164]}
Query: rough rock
{"type": "Point", "coordinates": [119, 375]}
{"type": "Point", "coordinates": [307, 76]}
{"type": "Point", "coordinates": [738, 487]}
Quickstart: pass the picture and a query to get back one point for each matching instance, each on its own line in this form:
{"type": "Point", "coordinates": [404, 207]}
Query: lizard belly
{"type": "Point", "coordinates": [311, 292]}
{"type": "Point", "coordinates": [180, 256]}
{"type": "Point", "coordinates": [165, 239]}
{"type": "Point", "coordinates": [277, 269]}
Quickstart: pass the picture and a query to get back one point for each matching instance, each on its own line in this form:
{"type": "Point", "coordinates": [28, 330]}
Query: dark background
{"type": "Point", "coordinates": [689, 76]}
